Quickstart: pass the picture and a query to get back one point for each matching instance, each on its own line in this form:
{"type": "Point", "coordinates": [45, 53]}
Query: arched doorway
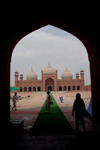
{"type": "Point", "coordinates": [49, 88]}
{"type": "Point", "coordinates": [74, 88]}
{"type": "Point", "coordinates": [78, 87]}
{"type": "Point", "coordinates": [29, 89]}
{"type": "Point", "coordinates": [25, 89]}
{"type": "Point", "coordinates": [69, 88]}
{"type": "Point", "coordinates": [65, 88]}
{"type": "Point", "coordinates": [86, 31]}
{"type": "Point", "coordinates": [34, 88]}
{"type": "Point", "coordinates": [49, 84]}
{"type": "Point", "coordinates": [38, 88]}
{"type": "Point", "coordinates": [60, 88]}
{"type": "Point", "coordinates": [21, 89]}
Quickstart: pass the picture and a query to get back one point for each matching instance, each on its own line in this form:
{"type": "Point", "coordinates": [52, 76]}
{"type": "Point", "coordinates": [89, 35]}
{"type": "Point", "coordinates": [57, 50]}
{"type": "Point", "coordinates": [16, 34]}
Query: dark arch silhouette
{"type": "Point", "coordinates": [49, 88]}
{"type": "Point", "coordinates": [78, 87]}
{"type": "Point", "coordinates": [25, 88]}
{"type": "Point", "coordinates": [38, 88]}
{"type": "Point", "coordinates": [60, 88]}
{"type": "Point", "coordinates": [84, 26]}
{"type": "Point", "coordinates": [21, 89]}
{"type": "Point", "coordinates": [34, 88]}
{"type": "Point", "coordinates": [74, 88]}
{"type": "Point", "coordinates": [29, 89]}
{"type": "Point", "coordinates": [69, 88]}
{"type": "Point", "coordinates": [65, 88]}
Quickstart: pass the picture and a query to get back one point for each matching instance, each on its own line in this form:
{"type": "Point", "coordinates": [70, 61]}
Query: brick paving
{"type": "Point", "coordinates": [88, 140]}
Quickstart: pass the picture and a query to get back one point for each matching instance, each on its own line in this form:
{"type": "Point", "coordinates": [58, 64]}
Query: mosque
{"type": "Point", "coordinates": [50, 82]}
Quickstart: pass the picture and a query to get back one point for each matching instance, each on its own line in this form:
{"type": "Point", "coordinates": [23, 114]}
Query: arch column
{"type": "Point", "coordinates": [93, 48]}
{"type": "Point", "coordinates": [95, 86]}
{"type": "Point", "coordinates": [5, 90]}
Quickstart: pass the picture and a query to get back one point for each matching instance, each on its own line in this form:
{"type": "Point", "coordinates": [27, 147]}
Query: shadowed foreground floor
{"type": "Point", "coordinates": [81, 140]}
{"type": "Point", "coordinates": [54, 123]}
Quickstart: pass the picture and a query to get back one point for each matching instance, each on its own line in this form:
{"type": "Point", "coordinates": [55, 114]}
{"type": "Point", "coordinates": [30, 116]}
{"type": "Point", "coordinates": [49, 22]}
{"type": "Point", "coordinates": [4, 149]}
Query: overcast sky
{"type": "Point", "coordinates": [49, 44]}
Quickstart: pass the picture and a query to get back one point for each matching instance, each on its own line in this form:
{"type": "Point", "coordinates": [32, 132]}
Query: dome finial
{"type": "Point", "coordinates": [49, 69]}
{"type": "Point", "coordinates": [31, 69]}
{"type": "Point", "coordinates": [66, 68]}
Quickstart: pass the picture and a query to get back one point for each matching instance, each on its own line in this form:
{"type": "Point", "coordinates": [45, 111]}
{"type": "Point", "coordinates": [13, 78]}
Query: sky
{"type": "Point", "coordinates": [49, 44]}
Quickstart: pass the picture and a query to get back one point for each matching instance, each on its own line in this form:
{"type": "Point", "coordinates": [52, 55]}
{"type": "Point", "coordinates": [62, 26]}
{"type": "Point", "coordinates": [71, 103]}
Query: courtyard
{"type": "Point", "coordinates": [30, 104]}
{"type": "Point", "coordinates": [28, 108]}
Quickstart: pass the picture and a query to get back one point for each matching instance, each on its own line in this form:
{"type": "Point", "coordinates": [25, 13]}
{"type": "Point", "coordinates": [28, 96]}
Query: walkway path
{"type": "Point", "coordinates": [56, 122]}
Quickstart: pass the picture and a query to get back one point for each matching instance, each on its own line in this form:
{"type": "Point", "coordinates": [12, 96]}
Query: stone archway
{"type": "Point", "coordinates": [87, 30]}
{"type": "Point", "coordinates": [49, 84]}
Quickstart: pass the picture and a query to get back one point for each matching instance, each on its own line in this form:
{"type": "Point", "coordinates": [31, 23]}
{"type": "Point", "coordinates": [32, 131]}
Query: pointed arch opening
{"type": "Point", "coordinates": [49, 84]}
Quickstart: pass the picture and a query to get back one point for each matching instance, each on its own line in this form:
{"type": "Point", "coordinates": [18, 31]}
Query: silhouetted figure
{"type": "Point", "coordinates": [14, 101]}
{"type": "Point", "coordinates": [79, 108]}
{"type": "Point", "coordinates": [47, 103]}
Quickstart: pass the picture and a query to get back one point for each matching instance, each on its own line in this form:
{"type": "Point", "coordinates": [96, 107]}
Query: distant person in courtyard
{"type": "Point", "coordinates": [47, 103]}
{"type": "Point", "coordinates": [79, 109]}
{"type": "Point", "coordinates": [14, 101]}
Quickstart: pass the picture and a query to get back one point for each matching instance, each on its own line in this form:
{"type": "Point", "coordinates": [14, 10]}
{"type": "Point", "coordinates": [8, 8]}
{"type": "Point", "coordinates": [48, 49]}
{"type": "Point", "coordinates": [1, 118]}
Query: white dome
{"type": "Point", "coordinates": [31, 75]}
{"type": "Point", "coordinates": [49, 69]}
{"type": "Point", "coordinates": [66, 74]}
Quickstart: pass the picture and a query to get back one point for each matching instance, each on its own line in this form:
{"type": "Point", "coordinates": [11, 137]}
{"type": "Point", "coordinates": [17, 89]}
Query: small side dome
{"type": "Point", "coordinates": [31, 75]}
{"type": "Point", "coordinates": [66, 74]}
{"type": "Point", "coordinates": [77, 73]}
{"type": "Point", "coordinates": [82, 70]}
{"type": "Point", "coordinates": [16, 72]}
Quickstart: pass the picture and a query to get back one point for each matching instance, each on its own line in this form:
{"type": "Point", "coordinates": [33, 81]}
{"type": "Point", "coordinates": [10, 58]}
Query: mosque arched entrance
{"type": "Point", "coordinates": [49, 84]}
{"type": "Point", "coordinates": [49, 88]}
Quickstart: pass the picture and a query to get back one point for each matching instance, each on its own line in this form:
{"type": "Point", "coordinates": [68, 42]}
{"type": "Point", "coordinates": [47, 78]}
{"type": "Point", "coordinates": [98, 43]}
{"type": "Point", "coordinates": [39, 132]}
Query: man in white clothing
{"type": "Point", "coordinates": [14, 101]}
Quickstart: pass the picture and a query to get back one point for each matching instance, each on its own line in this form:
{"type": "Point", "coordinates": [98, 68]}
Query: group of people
{"type": "Point", "coordinates": [78, 108]}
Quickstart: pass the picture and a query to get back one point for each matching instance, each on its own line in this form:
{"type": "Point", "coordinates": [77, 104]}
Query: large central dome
{"type": "Point", "coordinates": [49, 69]}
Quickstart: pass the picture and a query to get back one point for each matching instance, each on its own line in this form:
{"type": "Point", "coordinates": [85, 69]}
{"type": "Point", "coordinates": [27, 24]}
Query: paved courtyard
{"type": "Point", "coordinates": [28, 109]}
{"type": "Point", "coordinates": [35, 100]}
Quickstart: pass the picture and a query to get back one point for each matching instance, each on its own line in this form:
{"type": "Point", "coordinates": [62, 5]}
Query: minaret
{"type": "Point", "coordinates": [82, 74]}
{"type": "Point", "coordinates": [16, 75]}
{"type": "Point", "coordinates": [21, 76]}
{"type": "Point", "coordinates": [77, 75]}
{"type": "Point", "coordinates": [16, 78]}
{"type": "Point", "coordinates": [82, 79]}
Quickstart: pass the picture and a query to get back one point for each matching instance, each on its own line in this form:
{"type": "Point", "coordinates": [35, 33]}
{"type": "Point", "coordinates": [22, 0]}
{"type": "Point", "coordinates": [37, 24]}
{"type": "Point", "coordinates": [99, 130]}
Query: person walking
{"type": "Point", "coordinates": [47, 103]}
{"type": "Point", "coordinates": [14, 101]}
{"type": "Point", "coordinates": [79, 108]}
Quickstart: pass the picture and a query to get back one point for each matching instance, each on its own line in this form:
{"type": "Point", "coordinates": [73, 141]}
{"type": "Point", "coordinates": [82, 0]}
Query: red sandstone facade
{"type": "Point", "coordinates": [50, 82]}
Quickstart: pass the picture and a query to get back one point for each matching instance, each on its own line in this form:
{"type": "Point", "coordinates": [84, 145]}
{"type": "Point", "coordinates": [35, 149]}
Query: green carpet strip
{"type": "Point", "coordinates": [54, 123]}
